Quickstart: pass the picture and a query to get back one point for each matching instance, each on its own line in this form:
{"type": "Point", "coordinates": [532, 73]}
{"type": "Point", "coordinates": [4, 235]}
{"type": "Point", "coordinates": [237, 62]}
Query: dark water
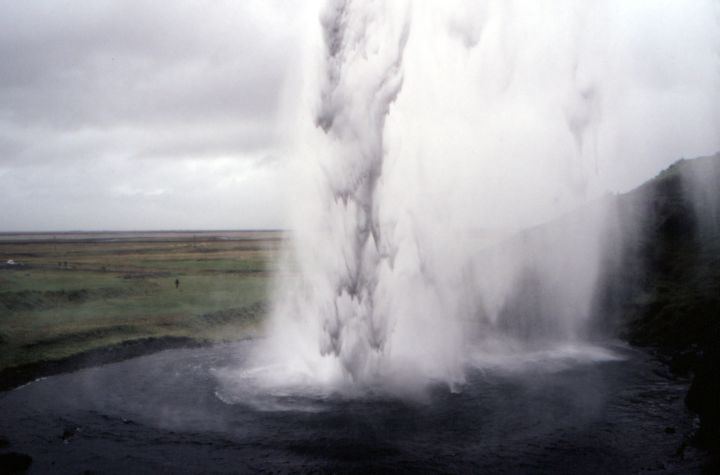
{"type": "Point", "coordinates": [160, 413]}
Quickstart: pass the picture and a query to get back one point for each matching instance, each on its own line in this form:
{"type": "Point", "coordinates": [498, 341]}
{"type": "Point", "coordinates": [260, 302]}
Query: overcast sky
{"type": "Point", "coordinates": [137, 115]}
{"type": "Point", "coordinates": [140, 114]}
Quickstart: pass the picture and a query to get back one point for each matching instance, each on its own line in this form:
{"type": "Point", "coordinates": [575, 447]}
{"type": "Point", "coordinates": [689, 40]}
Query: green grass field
{"type": "Point", "coordinates": [71, 294]}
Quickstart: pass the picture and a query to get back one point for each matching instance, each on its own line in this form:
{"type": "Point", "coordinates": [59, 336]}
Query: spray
{"type": "Point", "coordinates": [442, 136]}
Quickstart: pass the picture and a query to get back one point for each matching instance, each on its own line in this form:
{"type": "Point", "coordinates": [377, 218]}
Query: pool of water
{"type": "Point", "coordinates": [171, 412]}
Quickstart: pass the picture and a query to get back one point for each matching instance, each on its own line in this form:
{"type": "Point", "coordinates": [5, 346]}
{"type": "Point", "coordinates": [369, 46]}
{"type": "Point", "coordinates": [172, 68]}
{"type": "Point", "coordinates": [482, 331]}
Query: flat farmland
{"type": "Point", "coordinates": [69, 293]}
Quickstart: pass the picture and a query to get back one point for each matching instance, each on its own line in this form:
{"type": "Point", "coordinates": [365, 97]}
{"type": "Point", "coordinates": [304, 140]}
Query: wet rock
{"type": "Point", "coordinates": [680, 452]}
{"type": "Point", "coordinates": [703, 397]}
{"type": "Point", "coordinates": [14, 462]}
{"type": "Point", "coordinates": [69, 433]}
{"type": "Point", "coordinates": [17, 375]}
{"type": "Point", "coordinates": [682, 362]}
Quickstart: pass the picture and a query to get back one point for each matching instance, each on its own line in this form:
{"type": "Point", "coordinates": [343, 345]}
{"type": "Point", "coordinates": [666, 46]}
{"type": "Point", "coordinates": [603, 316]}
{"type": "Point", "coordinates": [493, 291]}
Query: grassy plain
{"type": "Point", "coordinates": [68, 294]}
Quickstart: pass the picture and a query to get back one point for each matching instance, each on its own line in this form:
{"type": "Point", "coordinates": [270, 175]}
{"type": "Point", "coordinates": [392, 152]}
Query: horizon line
{"type": "Point", "coordinates": [137, 231]}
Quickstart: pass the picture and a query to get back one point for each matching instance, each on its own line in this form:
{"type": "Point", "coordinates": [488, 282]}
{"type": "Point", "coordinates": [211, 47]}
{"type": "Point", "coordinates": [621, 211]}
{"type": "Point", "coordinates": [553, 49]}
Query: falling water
{"type": "Point", "coordinates": [441, 136]}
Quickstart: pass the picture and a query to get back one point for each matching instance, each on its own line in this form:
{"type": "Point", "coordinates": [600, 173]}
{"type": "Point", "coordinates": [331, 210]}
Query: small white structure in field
{"type": "Point", "coordinates": [10, 262]}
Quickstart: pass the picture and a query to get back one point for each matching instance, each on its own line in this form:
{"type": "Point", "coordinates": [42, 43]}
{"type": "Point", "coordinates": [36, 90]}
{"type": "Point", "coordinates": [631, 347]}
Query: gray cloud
{"type": "Point", "coordinates": [125, 82]}
{"type": "Point", "coordinates": [136, 63]}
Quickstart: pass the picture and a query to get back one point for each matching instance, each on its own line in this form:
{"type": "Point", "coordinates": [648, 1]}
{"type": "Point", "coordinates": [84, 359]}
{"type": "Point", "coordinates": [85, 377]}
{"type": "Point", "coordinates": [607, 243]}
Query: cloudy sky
{"type": "Point", "coordinates": [133, 115]}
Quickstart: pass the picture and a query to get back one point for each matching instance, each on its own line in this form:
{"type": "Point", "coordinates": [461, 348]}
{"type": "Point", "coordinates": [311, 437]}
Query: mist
{"type": "Point", "coordinates": [433, 143]}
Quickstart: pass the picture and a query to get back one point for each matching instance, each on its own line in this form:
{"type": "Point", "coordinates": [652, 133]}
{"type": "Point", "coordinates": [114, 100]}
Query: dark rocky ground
{"type": "Point", "coordinates": [659, 286]}
{"type": "Point", "coordinates": [18, 375]}
{"type": "Point", "coordinates": [665, 294]}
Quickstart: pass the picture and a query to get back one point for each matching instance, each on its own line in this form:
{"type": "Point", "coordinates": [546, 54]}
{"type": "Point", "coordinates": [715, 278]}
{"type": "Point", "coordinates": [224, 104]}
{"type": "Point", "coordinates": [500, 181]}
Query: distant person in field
{"type": "Point", "coordinates": [177, 283]}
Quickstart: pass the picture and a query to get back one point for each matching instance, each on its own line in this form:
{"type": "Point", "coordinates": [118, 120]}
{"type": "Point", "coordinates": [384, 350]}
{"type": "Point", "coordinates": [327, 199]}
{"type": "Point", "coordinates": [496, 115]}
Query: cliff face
{"type": "Point", "coordinates": [665, 291]}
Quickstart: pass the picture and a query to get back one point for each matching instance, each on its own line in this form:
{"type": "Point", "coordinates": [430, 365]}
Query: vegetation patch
{"type": "Point", "coordinates": [37, 299]}
{"type": "Point", "coordinates": [66, 298]}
